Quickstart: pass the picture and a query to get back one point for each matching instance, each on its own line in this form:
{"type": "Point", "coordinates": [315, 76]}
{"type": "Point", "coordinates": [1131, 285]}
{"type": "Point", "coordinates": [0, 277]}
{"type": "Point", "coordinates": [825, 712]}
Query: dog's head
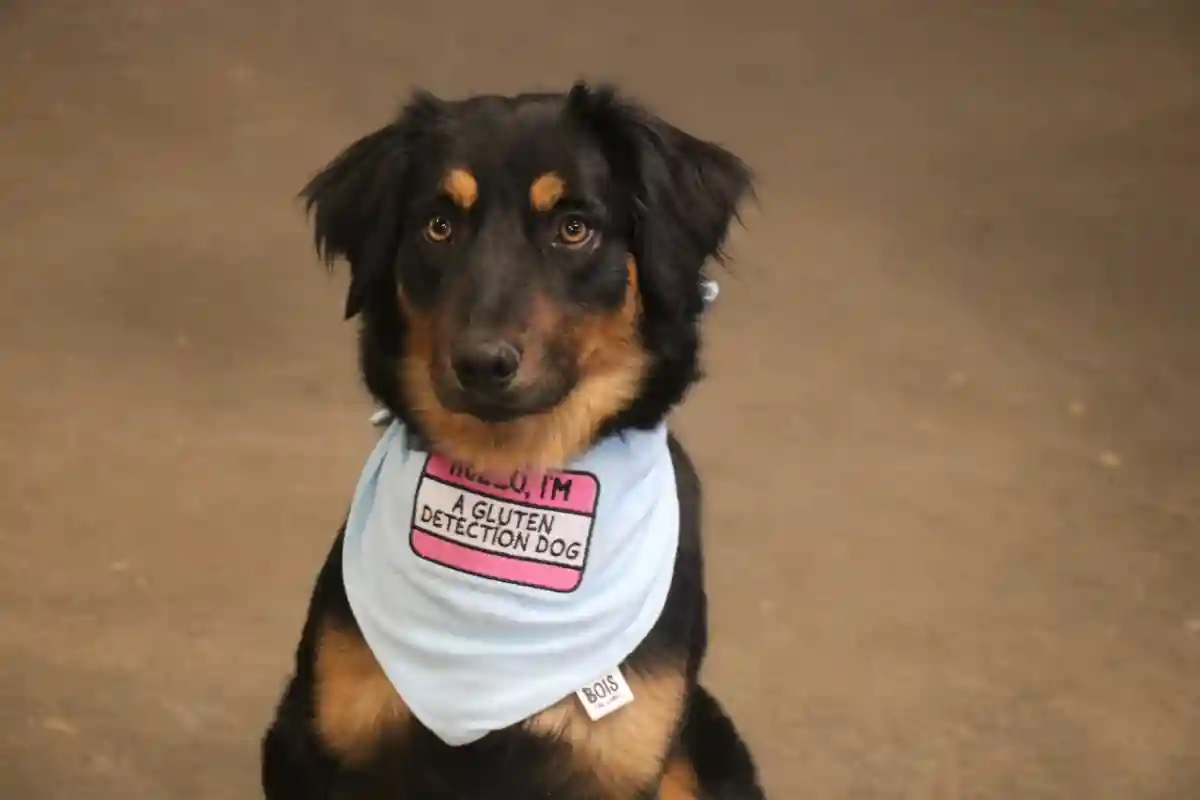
{"type": "Point", "coordinates": [527, 270]}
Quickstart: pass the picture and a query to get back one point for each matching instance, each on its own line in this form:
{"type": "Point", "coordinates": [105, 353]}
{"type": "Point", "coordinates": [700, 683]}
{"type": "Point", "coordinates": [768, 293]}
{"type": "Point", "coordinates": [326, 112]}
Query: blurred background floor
{"type": "Point", "coordinates": [951, 433]}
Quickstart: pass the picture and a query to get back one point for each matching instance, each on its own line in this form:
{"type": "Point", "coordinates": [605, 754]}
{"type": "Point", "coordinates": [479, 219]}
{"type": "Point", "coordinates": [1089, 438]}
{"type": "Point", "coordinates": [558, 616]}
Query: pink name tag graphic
{"type": "Point", "coordinates": [532, 530]}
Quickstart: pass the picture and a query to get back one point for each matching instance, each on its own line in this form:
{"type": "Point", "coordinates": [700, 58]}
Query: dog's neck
{"type": "Point", "coordinates": [415, 439]}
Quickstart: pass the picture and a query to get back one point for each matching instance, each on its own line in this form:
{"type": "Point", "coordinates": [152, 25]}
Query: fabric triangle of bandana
{"type": "Point", "coordinates": [486, 599]}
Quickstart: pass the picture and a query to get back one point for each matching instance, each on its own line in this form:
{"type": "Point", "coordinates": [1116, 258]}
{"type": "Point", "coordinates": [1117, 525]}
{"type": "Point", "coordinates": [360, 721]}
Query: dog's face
{"type": "Point", "coordinates": [527, 269]}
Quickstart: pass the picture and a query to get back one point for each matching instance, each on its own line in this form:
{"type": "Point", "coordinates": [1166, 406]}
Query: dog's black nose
{"type": "Point", "coordinates": [486, 364]}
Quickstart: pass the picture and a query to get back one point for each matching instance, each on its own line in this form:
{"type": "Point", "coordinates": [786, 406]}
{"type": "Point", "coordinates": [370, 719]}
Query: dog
{"type": "Point", "coordinates": [515, 606]}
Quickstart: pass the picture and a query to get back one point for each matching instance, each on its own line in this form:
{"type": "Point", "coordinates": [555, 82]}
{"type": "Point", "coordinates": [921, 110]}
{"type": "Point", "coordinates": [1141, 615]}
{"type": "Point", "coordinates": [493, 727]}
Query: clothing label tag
{"type": "Point", "coordinates": [605, 695]}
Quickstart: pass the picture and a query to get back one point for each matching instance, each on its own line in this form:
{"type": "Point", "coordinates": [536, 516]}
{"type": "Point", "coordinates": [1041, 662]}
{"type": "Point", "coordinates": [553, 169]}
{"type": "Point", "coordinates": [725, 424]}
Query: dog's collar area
{"type": "Point", "coordinates": [520, 590]}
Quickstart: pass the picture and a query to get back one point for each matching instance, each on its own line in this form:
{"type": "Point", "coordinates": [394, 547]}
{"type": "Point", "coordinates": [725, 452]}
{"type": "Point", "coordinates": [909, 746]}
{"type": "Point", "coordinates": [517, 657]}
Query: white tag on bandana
{"type": "Point", "coordinates": [605, 695]}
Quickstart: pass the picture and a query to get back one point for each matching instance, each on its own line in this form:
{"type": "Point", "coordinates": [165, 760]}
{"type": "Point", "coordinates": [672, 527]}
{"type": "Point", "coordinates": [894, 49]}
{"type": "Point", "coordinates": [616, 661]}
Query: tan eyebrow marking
{"type": "Point", "coordinates": [546, 191]}
{"type": "Point", "coordinates": [462, 189]}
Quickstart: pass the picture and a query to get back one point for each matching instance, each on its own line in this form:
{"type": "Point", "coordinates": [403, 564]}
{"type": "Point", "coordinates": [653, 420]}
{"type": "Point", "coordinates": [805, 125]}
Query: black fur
{"type": "Point", "coordinates": [668, 199]}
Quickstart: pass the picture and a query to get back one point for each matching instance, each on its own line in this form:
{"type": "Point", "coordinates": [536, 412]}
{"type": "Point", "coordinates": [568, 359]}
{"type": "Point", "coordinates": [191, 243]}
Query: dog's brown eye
{"type": "Point", "coordinates": [438, 229]}
{"type": "Point", "coordinates": [573, 231]}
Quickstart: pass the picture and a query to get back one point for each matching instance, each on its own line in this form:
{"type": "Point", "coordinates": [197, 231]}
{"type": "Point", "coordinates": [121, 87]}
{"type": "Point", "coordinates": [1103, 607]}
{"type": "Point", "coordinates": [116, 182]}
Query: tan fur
{"type": "Point", "coordinates": [679, 782]}
{"type": "Point", "coordinates": [612, 365]}
{"type": "Point", "coordinates": [625, 751]}
{"type": "Point", "coordinates": [546, 191]}
{"type": "Point", "coordinates": [461, 187]}
{"type": "Point", "coordinates": [356, 704]}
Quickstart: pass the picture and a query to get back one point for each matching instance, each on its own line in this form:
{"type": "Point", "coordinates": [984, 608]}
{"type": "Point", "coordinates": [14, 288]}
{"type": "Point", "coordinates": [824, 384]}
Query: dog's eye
{"type": "Point", "coordinates": [438, 229]}
{"type": "Point", "coordinates": [573, 231]}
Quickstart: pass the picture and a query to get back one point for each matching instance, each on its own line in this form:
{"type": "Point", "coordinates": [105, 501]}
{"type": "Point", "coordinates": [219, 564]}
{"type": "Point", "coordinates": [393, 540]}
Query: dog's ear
{"type": "Point", "coordinates": [355, 200]}
{"type": "Point", "coordinates": [687, 192]}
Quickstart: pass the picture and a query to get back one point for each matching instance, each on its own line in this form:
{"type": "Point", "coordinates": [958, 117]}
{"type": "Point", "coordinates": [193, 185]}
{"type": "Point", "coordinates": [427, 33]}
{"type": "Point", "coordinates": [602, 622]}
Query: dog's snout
{"type": "Point", "coordinates": [486, 364]}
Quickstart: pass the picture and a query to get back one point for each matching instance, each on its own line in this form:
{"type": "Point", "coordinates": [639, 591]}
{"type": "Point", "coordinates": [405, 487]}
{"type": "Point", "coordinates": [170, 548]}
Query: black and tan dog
{"type": "Point", "coordinates": [528, 272]}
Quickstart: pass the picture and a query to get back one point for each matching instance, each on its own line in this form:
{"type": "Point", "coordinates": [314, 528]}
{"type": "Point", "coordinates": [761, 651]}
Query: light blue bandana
{"type": "Point", "coordinates": [487, 600]}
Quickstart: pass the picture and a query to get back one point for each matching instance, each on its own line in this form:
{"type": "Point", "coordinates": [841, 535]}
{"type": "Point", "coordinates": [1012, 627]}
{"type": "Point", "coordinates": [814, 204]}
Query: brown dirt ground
{"type": "Point", "coordinates": [951, 433]}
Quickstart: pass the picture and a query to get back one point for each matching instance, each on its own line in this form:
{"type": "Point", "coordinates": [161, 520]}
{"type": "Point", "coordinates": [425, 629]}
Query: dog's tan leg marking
{"type": "Point", "coordinates": [612, 366]}
{"type": "Point", "coordinates": [546, 191]}
{"type": "Point", "coordinates": [461, 187]}
{"type": "Point", "coordinates": [625, 750]}
{"type": "Point", "coordinates": [355, 702]}
{"type": "Point", "coordinates": [679, 781]}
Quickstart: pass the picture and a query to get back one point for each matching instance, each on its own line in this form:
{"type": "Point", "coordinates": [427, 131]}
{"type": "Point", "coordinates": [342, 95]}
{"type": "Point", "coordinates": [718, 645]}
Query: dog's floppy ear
{"type": "Point", "coordinates": [687, 193]}
{"type": "Point", "coordinates": [355, 200]}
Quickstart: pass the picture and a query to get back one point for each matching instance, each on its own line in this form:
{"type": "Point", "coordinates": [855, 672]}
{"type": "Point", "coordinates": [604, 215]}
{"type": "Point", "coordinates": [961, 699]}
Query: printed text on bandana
{"type": "Point", "coordinates": [522, 528]}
